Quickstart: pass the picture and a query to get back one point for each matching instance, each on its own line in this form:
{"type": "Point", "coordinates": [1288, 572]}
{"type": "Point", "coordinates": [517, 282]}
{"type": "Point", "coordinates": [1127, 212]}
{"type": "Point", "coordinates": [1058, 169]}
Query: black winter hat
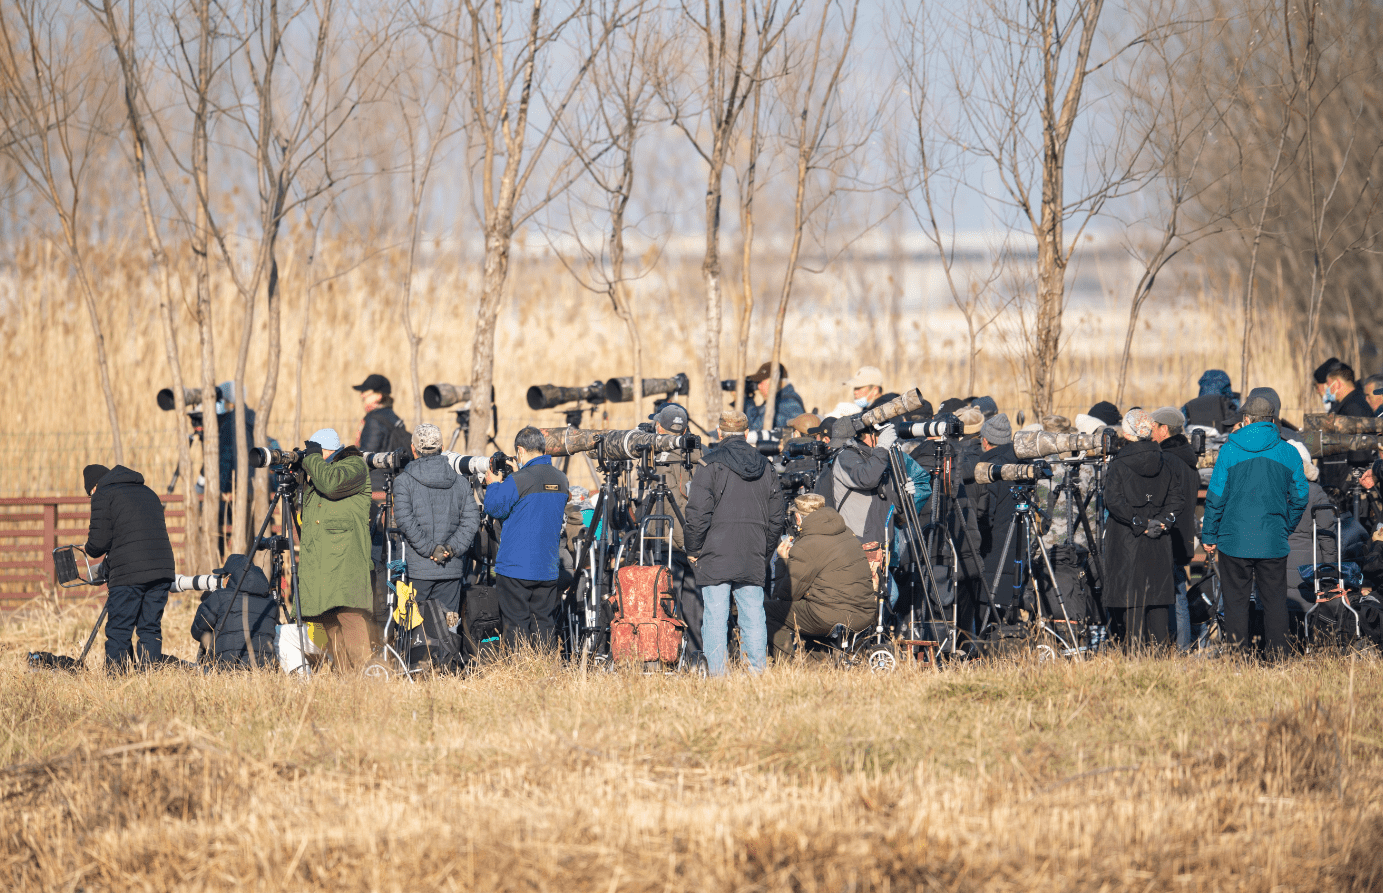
{"type": "Point", "coordinates": [91, 476]}
{"type": "Point", "coordinates": [1107, 412]}
{"type": "Point", "coordinates": [1324, 369]}
{"type": "Point", "coordinates": [950, 405]}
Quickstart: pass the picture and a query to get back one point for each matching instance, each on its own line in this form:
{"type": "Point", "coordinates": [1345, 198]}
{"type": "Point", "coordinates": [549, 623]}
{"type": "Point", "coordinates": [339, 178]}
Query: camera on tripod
{"type": "Point", "coordinates": [770, 442]}
{"type": "Point", "coordinates": [993, 473]}
{"type": "Point", "coordinates": [945, 426]}
{"type": "Point", "coordinates": [1324, 443]}
{"type": "Point", "coordinates": [798, 482]}
{"type": "Point", "coordinates": [621, 390]}
{"type": "Point", "coordinates": [190, 397]}
{"type": "Point", "coordinates": [851, 425]}
{"type": "Point", "coordinates": [1040, 444]}
{"type": "Point", "coordinates": [264, 457]}
{"type": "Point", "coordinates": [549, 396]}
{"type": "Point", "coordinates": [806, 449]}
{"type": "Point", "coordinates": [479, 466]}
{"type": "Point", "coordinates": [392, 461]}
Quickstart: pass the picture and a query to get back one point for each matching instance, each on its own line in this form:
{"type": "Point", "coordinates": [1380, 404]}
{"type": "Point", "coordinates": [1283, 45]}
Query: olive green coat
{"type": "Point", "coordinates": [334, 567]}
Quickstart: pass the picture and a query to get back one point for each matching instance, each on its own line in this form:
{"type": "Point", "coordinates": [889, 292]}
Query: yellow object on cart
{"type": "Point", "coordinates": [406, 613]}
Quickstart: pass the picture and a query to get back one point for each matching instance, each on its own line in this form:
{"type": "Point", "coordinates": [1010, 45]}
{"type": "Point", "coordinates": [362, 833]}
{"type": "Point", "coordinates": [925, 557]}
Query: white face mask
{"type": "Point", "coordinates": [862, 402]}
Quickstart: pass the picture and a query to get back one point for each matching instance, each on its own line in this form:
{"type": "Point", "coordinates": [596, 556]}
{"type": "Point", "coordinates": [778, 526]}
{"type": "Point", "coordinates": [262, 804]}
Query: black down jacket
{"type": "Point", "coordinates": [252, 608]}
{"type": "Point", "coordinates": [127, 525]}
{"type": "Point", "coordinates": [1184, 534]}
{"type": "Point", "coordinates": [381, 431]}
{"type": "Point", "coordinates": [995, 511]}
{"type": "Point", "coordinates": [735, 515]}
{"type": "Point", "coordinates": [1142, 484]}
{"type": "Point", "coordinates": [433, 506]}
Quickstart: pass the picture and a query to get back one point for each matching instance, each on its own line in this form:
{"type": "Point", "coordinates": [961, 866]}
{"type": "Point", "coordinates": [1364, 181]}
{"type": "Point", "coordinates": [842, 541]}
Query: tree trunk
{"type": "Point", "coordinates": [211, 438]}
{"type": "Point", "coordinates": [497, 244]}
{"type": "Point", "coordinates": [710, 277]}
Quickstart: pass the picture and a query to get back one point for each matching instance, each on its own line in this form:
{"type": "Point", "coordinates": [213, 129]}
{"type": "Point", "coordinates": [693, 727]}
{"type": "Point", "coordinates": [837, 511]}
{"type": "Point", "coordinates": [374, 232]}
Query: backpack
{"type": "Point", "coordinates": [1068, 564]}
{"type": "Point", "coordinates": [400, 438]}
{"type": "Point", "coordinates": [645, 626]}
{"type": "Point", "coordinates": [482, 623]}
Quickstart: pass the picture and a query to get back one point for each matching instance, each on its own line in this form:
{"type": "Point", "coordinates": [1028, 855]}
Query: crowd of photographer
{"type": "Point", "coordinates": [884, 508]}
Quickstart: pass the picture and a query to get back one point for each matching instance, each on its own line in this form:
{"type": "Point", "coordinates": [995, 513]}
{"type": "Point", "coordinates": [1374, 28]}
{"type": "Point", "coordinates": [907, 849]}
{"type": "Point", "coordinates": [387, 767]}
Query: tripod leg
{"type": "Point", "coordinates": [1060, 599]}
{"type": "Point", "coordinates": [105, 609]}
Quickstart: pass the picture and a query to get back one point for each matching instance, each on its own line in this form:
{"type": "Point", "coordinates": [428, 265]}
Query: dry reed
{"type": "Point", "coordinates": [1113, 774]}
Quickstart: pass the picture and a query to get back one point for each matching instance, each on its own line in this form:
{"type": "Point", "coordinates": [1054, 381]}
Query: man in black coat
{"type": "Point", "coordinates": [127, 526]}
{"type": "Point", "coordinates": [1348, 397]}
{"type": "Point", "coordinates": [226, 618]}
{"type": "Point", "coordinates": [735, 516]}
{"type": "Point", "coordinates": [1167, 432]}
{"type": "Point", "coordinates": [995, 510]}
{"type": "Point", "coordinates": [382, 430]}
{"type": "Point", "coordinates": [1144, 498]}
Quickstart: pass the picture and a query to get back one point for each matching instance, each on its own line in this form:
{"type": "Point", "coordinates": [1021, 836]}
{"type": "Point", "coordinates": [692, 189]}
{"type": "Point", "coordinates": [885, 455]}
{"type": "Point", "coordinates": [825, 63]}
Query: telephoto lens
{"type": "Point", "coordinates": [393, 460]}
{"type": "Point", "coordinates": [190, 397]}
{"type": "Point", "coordinates": [614, 445]}
{"type": "Point", "coordinates": [547, 396]}
{"type": "Point", "coordinates": [944, 426]}
{"type": "Point", "coordinates": [1341, 424]}
{"type": "Point", "coordinates": [993, 473]}
{"type": "Point", "coordinates": [769, 443]}
{"type": "Point", "coordinates": [621, 390]}
{"type": "Point", "coordinates": [442, 395]}
{"type": "Point", "coordinates": [1038, 444]}
{"type": "Point", "coordinates": [199, 583]}
{"type": "Point", "coordinates": [262, 457]}
{"type": "Point", "coordinates": [478, 466]}
{"type": "Point", "coordinates": [798, 480]}
{"type": "Point", "coordinates": [1324, 443]}
{"type": "Point", "coordinates": [851, 425]}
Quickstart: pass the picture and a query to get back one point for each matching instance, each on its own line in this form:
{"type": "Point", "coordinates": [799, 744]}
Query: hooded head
{"type": "Point", "coordinates": [1214, 382]}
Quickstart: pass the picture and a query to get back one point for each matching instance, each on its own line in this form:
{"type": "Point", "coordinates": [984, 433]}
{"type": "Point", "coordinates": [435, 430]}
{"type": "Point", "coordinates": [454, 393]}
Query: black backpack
{"type": "Point", "coordinates": [400, 437]}
{"type": "Point", "coordinates": [1069, 566]}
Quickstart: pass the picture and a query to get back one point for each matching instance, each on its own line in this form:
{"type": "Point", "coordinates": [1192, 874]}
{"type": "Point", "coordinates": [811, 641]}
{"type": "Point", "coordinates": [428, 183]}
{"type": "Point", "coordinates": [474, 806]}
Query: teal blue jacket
{"type": "Point", "coordinates": [1256, 495]}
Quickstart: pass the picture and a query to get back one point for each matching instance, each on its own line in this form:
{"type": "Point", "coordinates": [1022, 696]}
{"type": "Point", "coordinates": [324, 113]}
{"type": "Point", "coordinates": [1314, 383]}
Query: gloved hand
{"type": "Point", "coordinates": [1138, 525]}
{"type": "Point", "coordinates": [312, 447]}
{"type": "Point", "coordinates": [440, 554]}
{"type": "Point", "coordinates": [1155, 529]}
{"type": "Point", "coordinates": [888, 436]}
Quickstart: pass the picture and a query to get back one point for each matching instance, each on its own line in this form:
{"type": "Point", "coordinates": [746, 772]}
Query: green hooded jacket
{"type": "Point", "coordinates": [334, 565]}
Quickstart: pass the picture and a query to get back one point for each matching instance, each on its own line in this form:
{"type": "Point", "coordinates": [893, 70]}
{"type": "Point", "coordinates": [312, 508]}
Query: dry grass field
{"type": "Point", "coordinates": [1140, 774]}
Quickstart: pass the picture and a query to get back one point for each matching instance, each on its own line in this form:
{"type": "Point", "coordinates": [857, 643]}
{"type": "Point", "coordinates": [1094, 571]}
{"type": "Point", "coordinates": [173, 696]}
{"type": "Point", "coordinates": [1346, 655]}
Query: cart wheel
{"type": "Point", "coordinates": [1046, 654]}
{"type": "Point", "coordinates": [377, 671]}
{"type": "Point", "coordinates": [880, 659]}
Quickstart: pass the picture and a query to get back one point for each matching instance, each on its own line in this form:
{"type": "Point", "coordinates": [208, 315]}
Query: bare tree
{"type": "Point", "coordinates": [932, 173]}
{"type": "Point", "coordinates": [735, 44]}
{"type": "Point", "coordinates": [604, 137]}
{"type": "Point", "coordinates": [122, 36]}
{"type": "Point", "coordinates": [54, 98]}
{"type": "Point", "coordinates": [811, 91]}
{"type": "Point", "coordinates": [512, 63]}
{"type": "Point", "coordinates": [1020, 72]}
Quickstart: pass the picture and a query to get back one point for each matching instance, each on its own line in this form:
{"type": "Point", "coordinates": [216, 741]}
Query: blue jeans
{"type": "Point", "coordinates": [1183, 612]}
{"type": "Point", "coordinates": [715, 625]}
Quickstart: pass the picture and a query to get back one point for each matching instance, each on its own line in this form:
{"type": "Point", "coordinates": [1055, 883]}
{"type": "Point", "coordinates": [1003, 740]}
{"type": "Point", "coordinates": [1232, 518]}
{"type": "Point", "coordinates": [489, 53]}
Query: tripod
{"type": "Point", "coordinates": [463, 423]}
{"type": "Point", "coordinates": [286, 493]}
{"type": "Point", "coordinates": [921, 555]}
{"type": "Point", "coordinates": [1070, 488]}
{"type": "Point", "coordinates": [394, 566]}
{"type": "Point", "coordinates": [584, 627]}
{"type": "Point", "coordinates": [1021, 534]}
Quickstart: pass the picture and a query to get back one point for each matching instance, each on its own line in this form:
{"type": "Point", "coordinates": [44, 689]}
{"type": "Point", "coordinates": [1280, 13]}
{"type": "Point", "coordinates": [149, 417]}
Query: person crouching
{"type": "Point", "coordinates": [226, 620]}
{"type": "Point", "coordinates": [827, 581]}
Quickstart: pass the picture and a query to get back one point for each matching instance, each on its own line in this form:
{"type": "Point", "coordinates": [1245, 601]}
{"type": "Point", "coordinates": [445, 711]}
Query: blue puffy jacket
{"type": "Point", "coordinates": [1256, 495]}
{"type": "Point", "coordinates": [532, 503]}
{"type": "Point", "coordinates": [789, 407]}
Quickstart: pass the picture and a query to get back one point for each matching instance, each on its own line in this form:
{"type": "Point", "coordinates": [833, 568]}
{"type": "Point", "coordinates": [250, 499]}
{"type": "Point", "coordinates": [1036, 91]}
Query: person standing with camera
{"type": "Point", "coordinates": [788, 406]}
{"type": "Point", "coordinates": [673, 419]}
{"type": "Point", "coordinates": [381, 431]}
{"type": "Point", "coordinates": [128, 528]}
{"type": "Point", "coordinates": [334, 563]}
{"type": "Point", "coordinates": [1254, 501]}
{"type": "Point", "coordinates": [532, 503]}
{"type": "Point", "coordinates": [734, 518]}
{"type": "Point", "coordinates": [438, 515]}
{"type": "Point", "coordinates": [1145, 495]}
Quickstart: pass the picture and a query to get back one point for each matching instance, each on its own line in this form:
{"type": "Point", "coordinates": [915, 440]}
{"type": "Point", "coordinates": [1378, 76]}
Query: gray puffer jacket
{"type": "Point", "coordinates": [433, 506]}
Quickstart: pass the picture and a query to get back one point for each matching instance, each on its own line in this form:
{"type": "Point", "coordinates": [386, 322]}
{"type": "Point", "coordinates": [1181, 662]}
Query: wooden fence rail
{"type": "Point", "coordinates": [32, 527]}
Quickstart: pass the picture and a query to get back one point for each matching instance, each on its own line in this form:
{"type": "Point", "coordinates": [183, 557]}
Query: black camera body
{"type": "Point", "coordinates": [806, 449]}
{"type": "Point", "coordinates": [796, 482]}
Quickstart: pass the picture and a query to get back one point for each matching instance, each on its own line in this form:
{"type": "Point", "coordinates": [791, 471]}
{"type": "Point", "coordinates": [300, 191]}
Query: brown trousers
{"type": "Point", "coordinates": [348, 637]}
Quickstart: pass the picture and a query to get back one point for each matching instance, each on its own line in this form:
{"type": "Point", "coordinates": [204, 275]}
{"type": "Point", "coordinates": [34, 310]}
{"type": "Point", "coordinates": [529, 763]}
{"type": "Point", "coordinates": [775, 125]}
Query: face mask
{"type": "Point", "coordinates": [1327, 399]}
{"type": "Point", "coordinates": [862, 402]}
